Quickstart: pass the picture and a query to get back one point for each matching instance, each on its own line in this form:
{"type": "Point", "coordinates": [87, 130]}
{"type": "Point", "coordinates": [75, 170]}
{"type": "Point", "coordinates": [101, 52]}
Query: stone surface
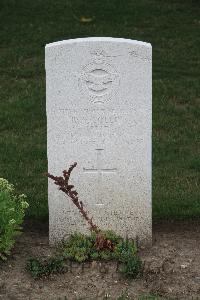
{"type": "Point", "coordinates": [99, 115]}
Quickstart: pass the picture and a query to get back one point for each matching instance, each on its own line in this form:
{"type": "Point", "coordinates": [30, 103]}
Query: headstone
{"type": "Point", "coordinates": [99, 115]}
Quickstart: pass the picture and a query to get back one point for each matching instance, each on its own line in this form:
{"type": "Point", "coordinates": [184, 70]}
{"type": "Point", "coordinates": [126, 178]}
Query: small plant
{"type": "Point", "coordinates": [65, 187]}
{"type": "Point", "coordinates": [102, 242]}
{"type": "Point", "coordinates": [99, 245]}
{"type": "Point", "coordinates": [40, 269]}
{"type": "Point", "coordinates": [78, 247]}
{"type": "Point", "coordinates": [132, 267]}
{"type": "Point", "coordinates": [82, 248]}
{"type": "Point", "coordinates": [12, 212]}
{"type": "Point", "coordinates": [125, 249]}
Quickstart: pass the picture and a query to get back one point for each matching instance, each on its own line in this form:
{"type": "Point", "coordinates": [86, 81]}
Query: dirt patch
{"type": "Point", "coordinates": [172, 269]}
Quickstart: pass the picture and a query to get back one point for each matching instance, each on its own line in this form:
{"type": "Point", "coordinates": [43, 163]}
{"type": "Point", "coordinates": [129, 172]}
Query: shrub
{"type": "Point", "coordinates": [12, 211]}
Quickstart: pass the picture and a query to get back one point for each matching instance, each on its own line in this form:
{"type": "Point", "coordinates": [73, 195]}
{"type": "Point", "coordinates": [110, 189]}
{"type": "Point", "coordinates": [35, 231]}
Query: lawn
{"type": "Point", "coordinates": [173, 28]}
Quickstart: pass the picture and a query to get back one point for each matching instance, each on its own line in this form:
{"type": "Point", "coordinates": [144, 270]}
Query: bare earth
{"type": "Point", "coordinates": [172, 269]}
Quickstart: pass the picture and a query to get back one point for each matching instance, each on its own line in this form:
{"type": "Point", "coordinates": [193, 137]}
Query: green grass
{"type": "Point", "coordinates": [171, 26]}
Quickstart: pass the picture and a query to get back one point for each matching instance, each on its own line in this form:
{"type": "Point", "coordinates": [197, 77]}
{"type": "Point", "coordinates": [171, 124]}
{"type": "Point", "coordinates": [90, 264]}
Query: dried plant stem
{"type": "Point", "coordinates": [63, 182]}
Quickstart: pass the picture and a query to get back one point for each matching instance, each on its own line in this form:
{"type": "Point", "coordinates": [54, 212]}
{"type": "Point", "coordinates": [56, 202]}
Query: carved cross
{"type": "Point", "coordinates": [99, 171]}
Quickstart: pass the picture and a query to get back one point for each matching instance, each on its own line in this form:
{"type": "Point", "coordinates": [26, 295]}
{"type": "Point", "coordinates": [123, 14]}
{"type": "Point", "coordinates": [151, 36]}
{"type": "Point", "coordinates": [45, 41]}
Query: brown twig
{"type": "Point", "coordinates": [68, 189]}
{"type": "Point", "coordinates": [63, 182]}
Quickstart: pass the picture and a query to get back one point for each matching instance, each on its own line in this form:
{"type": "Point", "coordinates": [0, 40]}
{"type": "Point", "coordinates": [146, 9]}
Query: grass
{"type": "Point", "coordinates": [173, 29]}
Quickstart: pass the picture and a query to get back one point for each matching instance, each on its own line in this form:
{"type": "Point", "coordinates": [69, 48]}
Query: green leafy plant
{"type": "Point", "coordinates": [39, 268]}
{"type": "Point", "coordinates": [126, 253]}
{"type": "Point", "coordinates": [125, 249]}
{"type": "Point", "coordinates": [80, 248]}
{"type": "Point", "coordinates": [12, 212]}
{"type": "Point", "coordinates": [132, 267]}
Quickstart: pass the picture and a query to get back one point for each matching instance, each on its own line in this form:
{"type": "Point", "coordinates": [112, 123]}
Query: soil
{"type": "Point", "coordinates": [172, 269]}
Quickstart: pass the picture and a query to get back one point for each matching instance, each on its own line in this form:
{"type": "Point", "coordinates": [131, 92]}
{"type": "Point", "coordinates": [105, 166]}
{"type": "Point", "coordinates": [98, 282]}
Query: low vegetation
{"type": "Point", "coordinates": [99, 245]}
{"type": "Point", "coordinates": [43, 268]}
{"type": "Point", "coordinates": [102, 241]}
{"type": "Point", "coordinates": [12, 212]}
{"type": "Point", "coordinates": [81, 248]}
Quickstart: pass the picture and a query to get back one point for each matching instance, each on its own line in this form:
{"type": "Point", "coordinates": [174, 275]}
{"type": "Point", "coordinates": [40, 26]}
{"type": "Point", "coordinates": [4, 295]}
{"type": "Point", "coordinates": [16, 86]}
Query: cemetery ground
{"type": "Point", "coordinates": [172, 269]}
{"type": "Point", "coordinates": [172, 27]}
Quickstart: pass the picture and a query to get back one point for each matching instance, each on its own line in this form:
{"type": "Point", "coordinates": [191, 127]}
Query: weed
{"type": "Point", "coordinates": [39, 268]}
{"type": "Point", "coordinates": [81, 248]}
{"type": "Point", "coordinates": [68, 189]}
{"type": "Point", "coordinates": [132, 267]}
{"type": "Point", "coordinates": [102, 242]}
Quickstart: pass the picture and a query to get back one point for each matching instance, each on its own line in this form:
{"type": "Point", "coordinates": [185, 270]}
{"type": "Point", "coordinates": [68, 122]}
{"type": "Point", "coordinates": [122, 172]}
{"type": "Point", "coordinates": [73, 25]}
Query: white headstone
{"type": "Point", "coordinates": [99, 115]}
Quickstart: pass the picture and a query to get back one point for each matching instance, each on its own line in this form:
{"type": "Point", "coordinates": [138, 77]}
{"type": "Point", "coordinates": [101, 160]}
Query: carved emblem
{"type": "Point", "coordinates": [99, 79]}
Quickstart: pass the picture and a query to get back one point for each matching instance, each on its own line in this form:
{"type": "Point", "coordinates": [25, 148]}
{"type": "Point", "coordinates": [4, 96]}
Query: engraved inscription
{"type": "Point", "coordinates": [96, 126]}
{"type": "Point", "coordinates": [100, 172]}
{"type": "Point", "coordinates": [143, 55]}
{"type": "Point", "coordinates": [96, 122]}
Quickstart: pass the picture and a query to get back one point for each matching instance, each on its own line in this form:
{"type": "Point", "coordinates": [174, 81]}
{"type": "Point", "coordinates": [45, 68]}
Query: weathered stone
{"type": "Point", "coordinates": [99, 115]}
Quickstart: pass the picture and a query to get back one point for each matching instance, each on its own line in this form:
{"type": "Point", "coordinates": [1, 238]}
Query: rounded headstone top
{"type": "Point", "coordinates": [98, 39]}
